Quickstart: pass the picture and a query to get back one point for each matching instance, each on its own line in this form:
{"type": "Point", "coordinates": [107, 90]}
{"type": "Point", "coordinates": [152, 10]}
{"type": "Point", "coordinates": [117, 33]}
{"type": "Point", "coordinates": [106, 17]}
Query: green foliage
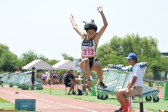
{"type": "Point", "coordinates": [62, 71]}
{"type": "Point", "coordinates": [52, 62]}
{"type": "Point", "coordinates": [8, 60]}
{"type": "Point", "coordinates": [145, 48]}
{"type": "Point", "coordinates": [29, 56]}
{"type": "Point", "coordinates": [67, 57]}
{"type": "Point", "coordinates": [149, 75]}
{"type": "Point", "coordinates": [4, 101]}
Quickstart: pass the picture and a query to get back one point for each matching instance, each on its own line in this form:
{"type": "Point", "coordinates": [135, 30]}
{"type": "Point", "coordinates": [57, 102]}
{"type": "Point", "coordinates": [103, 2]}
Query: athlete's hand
{"type": "Point", "coordinates": [71, 16]}
{"type": "Point", "coordinates": [100, 9]}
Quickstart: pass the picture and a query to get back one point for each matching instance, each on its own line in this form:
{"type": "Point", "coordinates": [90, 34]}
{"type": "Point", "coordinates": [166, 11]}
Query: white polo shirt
{"type": "Point", "coordinates": [136, 71]}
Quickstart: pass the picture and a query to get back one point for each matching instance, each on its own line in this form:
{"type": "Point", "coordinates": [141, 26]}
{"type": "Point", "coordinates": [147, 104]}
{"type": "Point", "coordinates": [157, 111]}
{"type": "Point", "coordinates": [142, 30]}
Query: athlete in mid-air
{"type": "Point", "coordinates": [90, 40]}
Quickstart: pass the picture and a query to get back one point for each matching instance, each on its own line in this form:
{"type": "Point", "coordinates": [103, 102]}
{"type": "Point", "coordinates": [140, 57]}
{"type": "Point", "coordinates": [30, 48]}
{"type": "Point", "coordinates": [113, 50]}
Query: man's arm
{"type": "Point", "coordinates": [132, 82]}
{"type": "Point", "coordinates": [128, 85]}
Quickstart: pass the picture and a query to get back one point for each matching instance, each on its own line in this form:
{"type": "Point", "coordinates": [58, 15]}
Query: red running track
{"type": "Point", "coordinates": [49, 103]}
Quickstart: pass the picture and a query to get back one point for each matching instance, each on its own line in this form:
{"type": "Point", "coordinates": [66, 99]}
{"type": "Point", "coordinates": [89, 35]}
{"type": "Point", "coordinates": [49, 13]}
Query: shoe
{"type": "Point", "coordinates": [68, 94]}
{"type": "Point", "coordinates": [89, 83]}
{"type": "Point", "coordinates": [103, 85]}
{"type": "Point", "coordinates": [119, 110]}
{"type": "Point", "coordinates": [125, 110]}
{"type": "Point", "coordinates": [73, 93]}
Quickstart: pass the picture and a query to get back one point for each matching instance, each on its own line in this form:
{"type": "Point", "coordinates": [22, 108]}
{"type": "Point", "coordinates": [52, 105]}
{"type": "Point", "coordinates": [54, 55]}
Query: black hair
{"type": "Point", "coordinates": [33, 68]}
{"type": "Point", "coordinates": [135, 60]}
{"type": "Point", "coordinates": [90, 26]}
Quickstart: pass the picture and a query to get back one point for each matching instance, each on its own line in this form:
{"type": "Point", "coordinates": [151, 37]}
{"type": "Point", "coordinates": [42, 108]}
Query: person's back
{"type": "Point", "coordinates": [33, 74]}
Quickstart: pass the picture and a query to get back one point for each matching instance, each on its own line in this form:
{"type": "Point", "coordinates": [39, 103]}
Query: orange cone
{"type": "Point", "coordinates": [127, 106]}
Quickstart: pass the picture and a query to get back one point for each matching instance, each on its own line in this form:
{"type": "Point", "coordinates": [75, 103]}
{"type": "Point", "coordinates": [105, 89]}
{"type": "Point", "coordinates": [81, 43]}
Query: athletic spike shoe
{"type": "Point", "coordinates": [119, 110]}
{"type": "Point", "coordinates": [102, 85]}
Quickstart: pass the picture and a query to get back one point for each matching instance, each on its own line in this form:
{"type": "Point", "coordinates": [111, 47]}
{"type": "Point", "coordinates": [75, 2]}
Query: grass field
{"type": "Point", "coordinates": [6, 105]}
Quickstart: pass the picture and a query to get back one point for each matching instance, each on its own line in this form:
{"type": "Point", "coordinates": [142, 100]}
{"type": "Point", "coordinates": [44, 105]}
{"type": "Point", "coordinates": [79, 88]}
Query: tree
{"type": "Point", "coordinates": [106, 55]}
{"type": "Point", "coordinates": [52, 62]}
{"type": "Point", "coordinates": [8, 60]}
{"type": "Point", "coordinates": [116, 45]}
{"type": "Point", "coordinates": [29, 56]}
{"type": "Point", "coordinates": [145, 47]}
{"type": "Point", "coordinates": [67, 57]}
{"type": "Point", "coordinates": [3, 48]}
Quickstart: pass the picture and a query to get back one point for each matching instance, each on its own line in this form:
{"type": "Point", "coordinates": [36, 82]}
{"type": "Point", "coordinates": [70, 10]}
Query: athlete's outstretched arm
{"type": "Point", "coordinates": [75, 26]}
{"type": "Point", "coordinates": [105, 24]}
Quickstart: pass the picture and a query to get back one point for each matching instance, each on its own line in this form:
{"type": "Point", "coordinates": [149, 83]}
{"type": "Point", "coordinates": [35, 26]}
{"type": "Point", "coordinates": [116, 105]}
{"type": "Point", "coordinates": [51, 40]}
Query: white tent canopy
{"type": "Point", "coordinates": [38, 64]}
{"type": "Point", "coordinates": [65, 64]}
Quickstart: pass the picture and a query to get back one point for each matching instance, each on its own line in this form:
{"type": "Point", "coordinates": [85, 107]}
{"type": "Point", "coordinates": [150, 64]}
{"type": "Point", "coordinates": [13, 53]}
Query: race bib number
{"type": "Point", "coordinates": [88, 51]}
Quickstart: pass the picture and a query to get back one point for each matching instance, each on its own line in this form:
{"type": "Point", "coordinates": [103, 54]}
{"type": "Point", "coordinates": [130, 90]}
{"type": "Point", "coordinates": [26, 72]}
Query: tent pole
{"type": "Point", "coordinates": [50, 83]}
{"type": "Point", "coordinates": [50, 89]}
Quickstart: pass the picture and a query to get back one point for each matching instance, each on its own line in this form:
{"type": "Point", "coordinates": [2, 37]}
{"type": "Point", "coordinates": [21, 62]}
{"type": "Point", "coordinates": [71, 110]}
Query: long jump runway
{"type": "Point", "coordinates": [49, 103]}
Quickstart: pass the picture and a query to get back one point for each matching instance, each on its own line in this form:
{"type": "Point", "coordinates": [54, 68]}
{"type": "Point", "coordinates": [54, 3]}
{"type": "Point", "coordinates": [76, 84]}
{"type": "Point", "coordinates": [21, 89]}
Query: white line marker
{"type": "Point", "coordinates": [77, 107]}
{"type": "Point", "coordinates": [49, 101]}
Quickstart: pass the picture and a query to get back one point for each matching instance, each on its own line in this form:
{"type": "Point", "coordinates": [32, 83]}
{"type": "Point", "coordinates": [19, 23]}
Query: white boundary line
{"type": "Point", "coordinates": [52, 102]}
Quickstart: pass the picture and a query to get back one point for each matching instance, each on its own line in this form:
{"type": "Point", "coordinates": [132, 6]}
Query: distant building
{"type": "Point", "coordinates": [164, 53]}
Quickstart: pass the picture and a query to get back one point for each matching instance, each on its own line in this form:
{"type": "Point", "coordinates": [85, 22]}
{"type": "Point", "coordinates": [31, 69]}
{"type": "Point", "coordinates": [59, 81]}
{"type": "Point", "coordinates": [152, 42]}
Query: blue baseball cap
{"type": "Point", "coordinates": [131, 55]}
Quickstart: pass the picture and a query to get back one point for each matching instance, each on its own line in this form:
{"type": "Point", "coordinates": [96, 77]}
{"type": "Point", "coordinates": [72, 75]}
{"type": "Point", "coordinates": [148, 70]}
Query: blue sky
{"type": "Point", "coordinates": [44, 25]}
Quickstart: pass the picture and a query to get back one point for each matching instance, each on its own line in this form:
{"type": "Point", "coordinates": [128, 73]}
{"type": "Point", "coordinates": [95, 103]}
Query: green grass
{"type": "Point", "coordinates": [6, 105]}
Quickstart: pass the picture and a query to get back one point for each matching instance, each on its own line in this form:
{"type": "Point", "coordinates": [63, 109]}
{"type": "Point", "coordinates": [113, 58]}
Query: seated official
{"type": "Point", "coordinates": [69, 81]}
{"type": "Point", "coordinates": [135, 83]}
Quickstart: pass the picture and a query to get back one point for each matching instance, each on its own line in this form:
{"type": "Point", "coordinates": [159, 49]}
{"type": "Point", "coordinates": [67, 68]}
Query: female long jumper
{"type": "Point", "coordinates": [90, 40]}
